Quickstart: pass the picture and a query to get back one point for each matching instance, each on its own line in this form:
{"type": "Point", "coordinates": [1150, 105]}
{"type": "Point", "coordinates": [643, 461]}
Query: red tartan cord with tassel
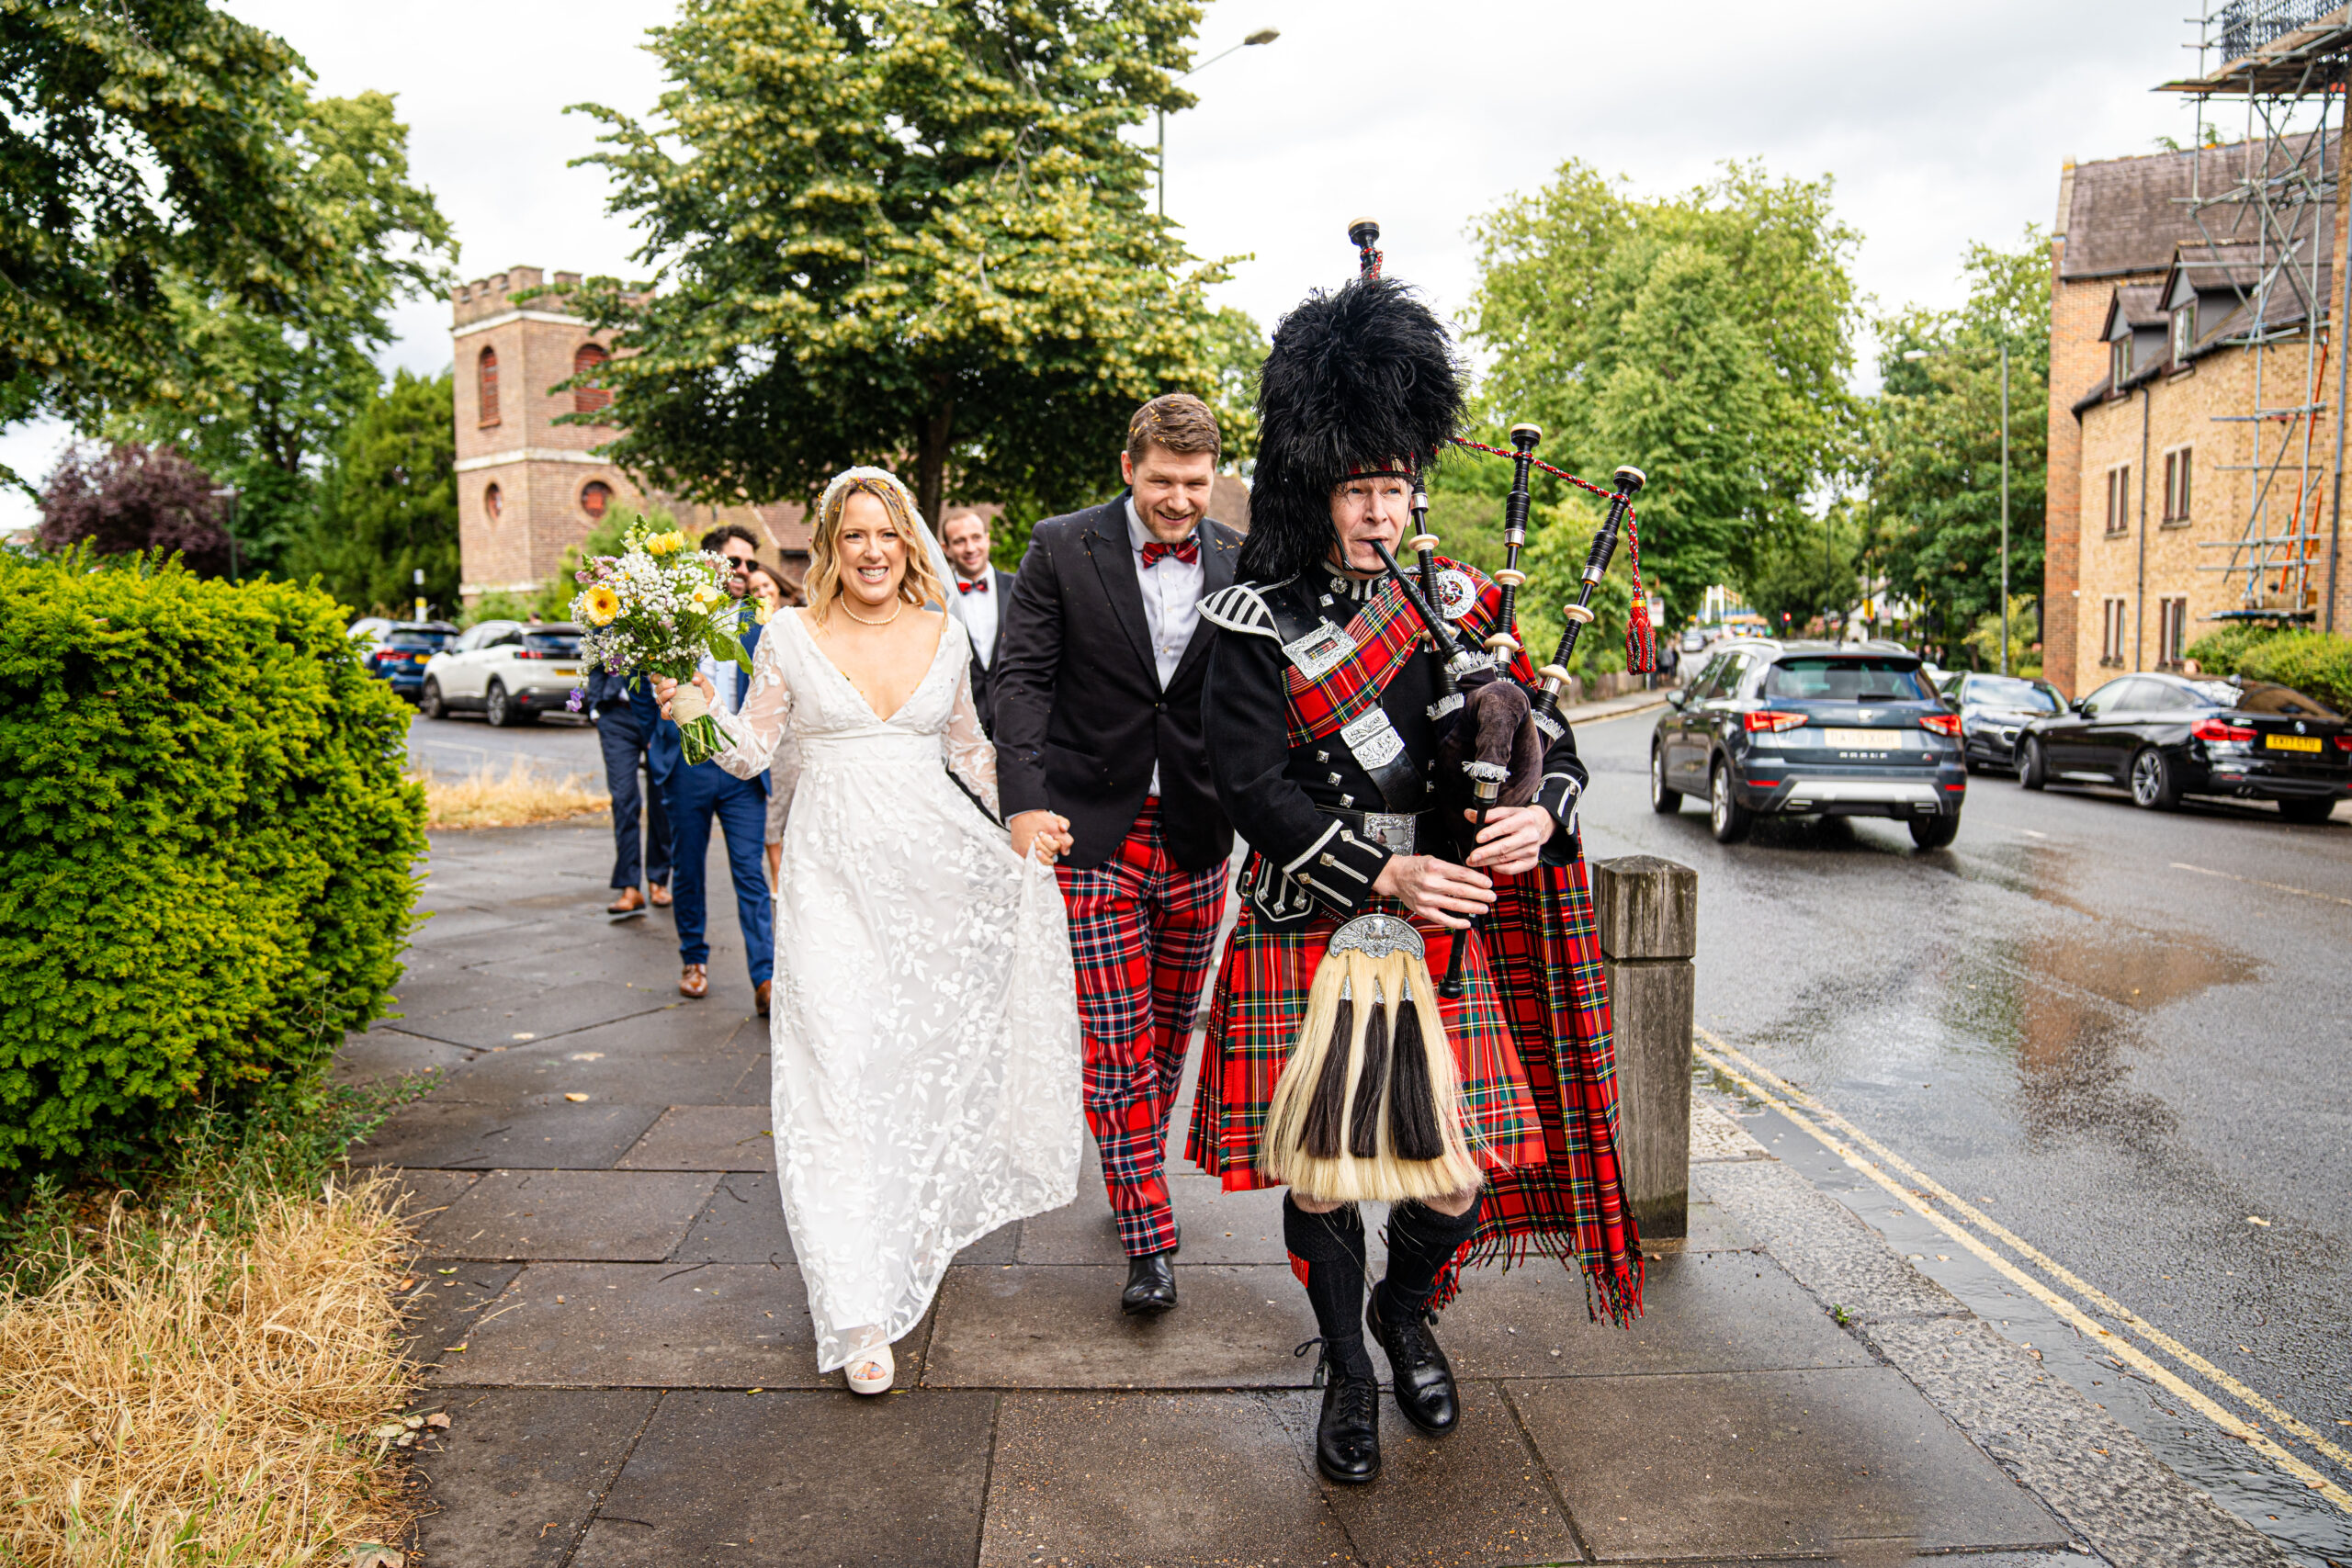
{"type": "Point", "coordinates": [1641, 641]}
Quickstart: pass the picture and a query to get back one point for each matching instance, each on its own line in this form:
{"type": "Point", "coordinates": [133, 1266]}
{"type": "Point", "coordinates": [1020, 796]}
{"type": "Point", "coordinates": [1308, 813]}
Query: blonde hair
{"type": "Point", "coordinates": [919, 585]}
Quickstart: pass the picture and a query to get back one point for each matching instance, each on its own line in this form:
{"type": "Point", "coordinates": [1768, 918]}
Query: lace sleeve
{"type": "Point", "coordinates": [971, 755]}
{"type": "Point", "coordinates": [783, 778]}
{"type": "Point", "coordinates": [755, 732]}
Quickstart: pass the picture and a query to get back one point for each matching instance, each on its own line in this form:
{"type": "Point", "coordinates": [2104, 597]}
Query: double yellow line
{"type": "Point", "coordinates": [1961, 1221]}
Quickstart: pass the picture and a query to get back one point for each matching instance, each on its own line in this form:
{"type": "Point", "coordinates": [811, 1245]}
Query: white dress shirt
{"type": "Point", "coordinates": [722, 682]}
{"type": "Point", "coordinates": [977, 611]}
{"type": "Point", "coordinates": [1171, 603]}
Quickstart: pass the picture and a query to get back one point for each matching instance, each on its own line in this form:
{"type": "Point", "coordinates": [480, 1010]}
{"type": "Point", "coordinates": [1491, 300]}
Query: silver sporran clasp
{"type": "Point", "coordinates": [1377, 936]}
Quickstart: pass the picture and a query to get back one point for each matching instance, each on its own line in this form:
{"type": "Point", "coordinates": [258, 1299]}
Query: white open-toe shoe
{"type": "Point", "coordinates": [870, 1368]}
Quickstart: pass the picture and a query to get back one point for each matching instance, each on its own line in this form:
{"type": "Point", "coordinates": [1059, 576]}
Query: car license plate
{"type": "Point", "coordinates": [574, 670]}
{"type": "Point", "coordinates": [2291, 742]}
{"type": "Point", "coordinates": [1860, 740]}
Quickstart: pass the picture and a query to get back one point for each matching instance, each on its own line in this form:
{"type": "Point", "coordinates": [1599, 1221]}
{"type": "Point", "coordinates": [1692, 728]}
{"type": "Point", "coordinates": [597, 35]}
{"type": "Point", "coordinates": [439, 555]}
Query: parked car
{"type": "Point", "coordinates": [2163, 737]}
{"type": "Point", "coordinates": [508, 672]}
{"type": "Point", "coordinates": [1694, 640]}
{"type": "Point", "coordinates": [368, 631]}
{"type": "Point", "coordinates": [1994, 711]}
{"type": "Point", "coordinates": [405, 649]}
{"type": "Point", "coordinates": [1773, 727]}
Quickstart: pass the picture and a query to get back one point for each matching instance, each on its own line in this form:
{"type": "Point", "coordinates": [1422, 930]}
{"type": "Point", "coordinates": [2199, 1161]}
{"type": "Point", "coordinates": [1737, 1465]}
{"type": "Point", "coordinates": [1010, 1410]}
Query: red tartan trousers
{"type": "Point", "coordinates": [1141, 933]}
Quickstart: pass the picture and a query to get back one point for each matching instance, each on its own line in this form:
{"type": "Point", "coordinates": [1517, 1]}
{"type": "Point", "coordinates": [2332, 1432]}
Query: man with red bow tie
{"type": "Point", "coordinates": [978, 600]}
{"type": "Point", "coordinates": [1097, 692]}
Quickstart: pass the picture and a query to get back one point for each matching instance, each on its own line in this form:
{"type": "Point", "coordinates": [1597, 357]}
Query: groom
{"type": "Point", "coordinates": [1097, 692]}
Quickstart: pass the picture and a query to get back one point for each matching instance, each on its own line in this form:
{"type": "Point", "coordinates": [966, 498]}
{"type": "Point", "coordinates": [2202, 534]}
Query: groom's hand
{"type": "Point", "coordinates": [1041, 833]}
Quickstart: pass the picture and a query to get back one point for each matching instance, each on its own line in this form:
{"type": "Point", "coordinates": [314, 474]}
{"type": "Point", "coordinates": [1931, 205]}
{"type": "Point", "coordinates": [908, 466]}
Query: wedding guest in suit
{"type": "Point", "coordinates": [1096, 687]}
{"type": "Point", "coordinates": [622, 738]}
{"type": "Point", "coordinates": [706, 791]}
{"type": "Point", "coordinates": [978, 599]}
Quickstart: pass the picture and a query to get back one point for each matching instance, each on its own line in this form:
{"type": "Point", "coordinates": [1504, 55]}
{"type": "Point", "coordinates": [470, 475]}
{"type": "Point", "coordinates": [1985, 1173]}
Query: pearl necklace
{"type": "Point", "coordinates": [896, 609]}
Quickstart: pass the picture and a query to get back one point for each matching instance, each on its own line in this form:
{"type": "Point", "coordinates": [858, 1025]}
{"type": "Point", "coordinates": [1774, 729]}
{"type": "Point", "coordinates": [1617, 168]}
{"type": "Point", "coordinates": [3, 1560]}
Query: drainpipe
{"type": "Point", "coordinates": [2336, 340]}
{"type": "Point", "coordinates": [2139, 588]}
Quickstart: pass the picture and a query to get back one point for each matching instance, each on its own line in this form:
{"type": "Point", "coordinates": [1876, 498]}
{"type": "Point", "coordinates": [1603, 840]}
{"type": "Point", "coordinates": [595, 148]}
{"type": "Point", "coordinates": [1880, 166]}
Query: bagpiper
{"type": "Point", "coordinates": [1331, 1065]}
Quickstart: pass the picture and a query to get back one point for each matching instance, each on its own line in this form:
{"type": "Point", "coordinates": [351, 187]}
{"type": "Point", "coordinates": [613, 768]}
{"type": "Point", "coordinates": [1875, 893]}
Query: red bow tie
{"type": "Point", "coordinates": [1187, 551]}
{"type": "Point", "coordinates": [978, 585]}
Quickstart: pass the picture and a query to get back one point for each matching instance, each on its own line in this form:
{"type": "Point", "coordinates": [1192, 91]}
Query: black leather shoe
{"type": "Point", "coordinates": [1419, 1371]}
{"type": "Point", "coordinates": [1347, 1439]}
{"type": "Point", "coordinates": [1151, 1284]}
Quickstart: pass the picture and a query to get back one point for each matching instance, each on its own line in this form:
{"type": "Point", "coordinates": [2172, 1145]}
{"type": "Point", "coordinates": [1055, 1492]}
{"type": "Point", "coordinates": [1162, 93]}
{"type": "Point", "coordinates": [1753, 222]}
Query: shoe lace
{"type": "Point", "coordinates": [1408, 1339]}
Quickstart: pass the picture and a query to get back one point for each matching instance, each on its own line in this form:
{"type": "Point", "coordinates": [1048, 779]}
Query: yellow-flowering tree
{"type": "Point", "coordinates": [907, 233]}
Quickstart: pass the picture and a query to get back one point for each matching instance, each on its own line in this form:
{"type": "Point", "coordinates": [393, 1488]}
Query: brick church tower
{"type": "Point", "coordinates": [527, 486]}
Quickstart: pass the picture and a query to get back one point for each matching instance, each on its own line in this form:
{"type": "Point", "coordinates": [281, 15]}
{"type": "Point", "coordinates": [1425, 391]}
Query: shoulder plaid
{"type": "Point", "coordinates": [1238, 609]}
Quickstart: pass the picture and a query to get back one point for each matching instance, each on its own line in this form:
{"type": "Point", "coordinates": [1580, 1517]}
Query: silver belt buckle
{"type": "Point", "coordinates": [1392, 830]}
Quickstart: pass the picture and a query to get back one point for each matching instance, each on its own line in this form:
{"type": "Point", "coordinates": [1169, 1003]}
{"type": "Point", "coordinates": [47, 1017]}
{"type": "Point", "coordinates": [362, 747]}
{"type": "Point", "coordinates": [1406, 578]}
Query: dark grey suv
{"type": "Point", "coordinates": [1796, 729]}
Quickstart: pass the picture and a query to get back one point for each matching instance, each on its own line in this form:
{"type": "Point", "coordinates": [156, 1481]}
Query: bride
{"type": "Point", "coordinates": [925, 1024]}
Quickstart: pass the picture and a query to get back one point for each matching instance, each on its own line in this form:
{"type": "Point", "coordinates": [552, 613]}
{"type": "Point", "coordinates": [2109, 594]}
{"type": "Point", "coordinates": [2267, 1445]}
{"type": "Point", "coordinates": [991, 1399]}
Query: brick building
{"type": "Point", "coordinates": [529, 486]}
{"type": "Point", "coordinates": [2158, 458]}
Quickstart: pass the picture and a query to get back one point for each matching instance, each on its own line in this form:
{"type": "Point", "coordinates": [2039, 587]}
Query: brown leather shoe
{"type": "Point", "coordinates": [760, 995]}
{"type": "Point", "coordinates": [630, 902]}
{"type": "Point", "coordinates": [660, 894]}
{"type": "Point", "coordinates": [695, 981]}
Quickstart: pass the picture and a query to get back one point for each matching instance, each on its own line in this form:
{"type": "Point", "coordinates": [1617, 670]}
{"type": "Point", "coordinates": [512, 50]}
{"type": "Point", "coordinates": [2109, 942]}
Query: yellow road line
{"type": "Point", "coordinates": [2257, 882]}
{"type": "Point", "coordinates": [2156, 1371]}
{"type": "Point", "coordinates": [2215, 1375]}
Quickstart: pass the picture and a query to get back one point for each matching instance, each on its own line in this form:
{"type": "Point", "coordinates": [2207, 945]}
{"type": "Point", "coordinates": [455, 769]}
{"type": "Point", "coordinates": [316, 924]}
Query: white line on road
{"type": "Point", "coordinates": [2257, 882]}
{"type": "Point", "coordinates": [1785, 1098]}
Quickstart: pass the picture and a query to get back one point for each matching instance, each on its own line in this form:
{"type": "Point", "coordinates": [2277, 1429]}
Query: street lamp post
{"type": "Point", "coordinates": [228, 493]}
{"type": "Point", "coordinates": [1914, 356]}
{"type": "Point", "coordinates": [1263, 35]}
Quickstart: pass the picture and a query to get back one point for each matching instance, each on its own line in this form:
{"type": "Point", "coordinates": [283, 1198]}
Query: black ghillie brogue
{"type": "Point", "coordinates": [1419, 1371]}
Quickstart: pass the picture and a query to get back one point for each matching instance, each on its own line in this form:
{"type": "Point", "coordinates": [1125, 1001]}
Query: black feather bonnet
{"type": "Point", "coordinates": [1362, 379]}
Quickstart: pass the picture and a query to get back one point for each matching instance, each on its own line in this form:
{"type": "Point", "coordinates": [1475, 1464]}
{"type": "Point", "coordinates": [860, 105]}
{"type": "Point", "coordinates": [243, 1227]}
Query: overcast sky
{"type": "Point", "coordinates": [1941, 124]}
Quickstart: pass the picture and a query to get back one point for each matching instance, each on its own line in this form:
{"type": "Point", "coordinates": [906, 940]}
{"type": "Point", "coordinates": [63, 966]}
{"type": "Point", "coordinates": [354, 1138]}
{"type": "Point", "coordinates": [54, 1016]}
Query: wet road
{"type": "Point", "coordinates": [457, 747]}
{"type": "Point", "coordinates": [2119, 1033]}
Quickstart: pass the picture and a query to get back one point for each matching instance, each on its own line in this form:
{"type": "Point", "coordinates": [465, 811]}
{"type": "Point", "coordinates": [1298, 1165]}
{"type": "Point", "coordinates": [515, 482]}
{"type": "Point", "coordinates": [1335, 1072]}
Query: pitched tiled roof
{"type": "Point", "coordinates": [2128, 214]}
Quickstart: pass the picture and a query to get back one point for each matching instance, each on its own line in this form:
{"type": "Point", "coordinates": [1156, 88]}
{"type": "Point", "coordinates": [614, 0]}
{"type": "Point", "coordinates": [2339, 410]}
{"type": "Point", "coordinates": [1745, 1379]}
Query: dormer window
{"type": "Point", "coordinates": [2184, 333]}
{"type": "Point", "coordinates": [2118, 368]}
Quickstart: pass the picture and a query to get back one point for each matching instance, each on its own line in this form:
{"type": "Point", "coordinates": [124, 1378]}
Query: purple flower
{"type": "Point", "coordinates": [578, 699]}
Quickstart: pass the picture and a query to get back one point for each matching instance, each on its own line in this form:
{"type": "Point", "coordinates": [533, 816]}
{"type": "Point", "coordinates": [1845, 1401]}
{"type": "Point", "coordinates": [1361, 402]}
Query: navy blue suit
{"type": "Point", "coordinates": [697, 794]}
{"type": "Point", "coordinates": [626, 716]}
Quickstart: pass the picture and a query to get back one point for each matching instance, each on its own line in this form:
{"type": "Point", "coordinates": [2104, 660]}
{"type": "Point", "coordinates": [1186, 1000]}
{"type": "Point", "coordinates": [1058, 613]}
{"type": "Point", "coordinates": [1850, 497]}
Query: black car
{"type": "Point", "coordinates": [1994, 711]}
{"type": "Point", "coordinates": [1811, 728]}
{"type": "Point", "coordinates": [2163, 737]}
{"type": "Point", "coordinates": [399, 656]}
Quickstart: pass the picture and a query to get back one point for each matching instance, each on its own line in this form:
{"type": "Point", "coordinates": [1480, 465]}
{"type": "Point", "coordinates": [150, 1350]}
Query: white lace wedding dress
{"type": "Point", "coordinates": [924, 1018]}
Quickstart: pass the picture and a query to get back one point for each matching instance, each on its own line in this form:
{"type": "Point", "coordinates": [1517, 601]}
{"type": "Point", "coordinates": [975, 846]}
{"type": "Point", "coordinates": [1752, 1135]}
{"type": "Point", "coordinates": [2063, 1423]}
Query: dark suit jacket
{"type": "Point", "coordinates": [662, 745]}
{"type": "Point", "coordinates": [1000, 585]}
{"type": "Point", "coordinates": [1079, 715]}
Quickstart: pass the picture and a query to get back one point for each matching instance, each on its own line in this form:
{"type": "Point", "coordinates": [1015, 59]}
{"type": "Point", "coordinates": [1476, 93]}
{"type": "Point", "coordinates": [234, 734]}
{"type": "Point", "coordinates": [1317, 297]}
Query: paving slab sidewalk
{"type": "Point", "coordinates": [604, 1300]}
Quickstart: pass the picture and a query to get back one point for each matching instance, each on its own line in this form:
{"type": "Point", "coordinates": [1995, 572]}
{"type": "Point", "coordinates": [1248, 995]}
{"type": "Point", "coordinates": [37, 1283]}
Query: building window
{"type": "Point", "coordinates": [2118, 499]}
{"type": "Point", "coordinates": [595, 496]}
{"type": "Point", "coordinates": [493, 502]}
{"type": "Point", "coordinates": [486, 378]}
{"type": "Point", "coordinates": [2118, 368]}
{"type": "Point", "coordinates": [2176, 469]}
{"type": "Point", "coordinates": [2172, 631]}
{"type": "Point", "coordinates": [586, 362]}
{"type": "Point", "coordinates": [2184, 333]}
{"type": "Point", "coordinates": [2110, 635]}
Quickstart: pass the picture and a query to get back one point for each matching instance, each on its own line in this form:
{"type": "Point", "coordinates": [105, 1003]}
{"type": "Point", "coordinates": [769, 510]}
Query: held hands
{"type": "Point", "coordinates": [663, 687]}
{"type": "Point", "coordinates": [1513, 839]}
{"type": "Point", "coordinates": [1040, 835]}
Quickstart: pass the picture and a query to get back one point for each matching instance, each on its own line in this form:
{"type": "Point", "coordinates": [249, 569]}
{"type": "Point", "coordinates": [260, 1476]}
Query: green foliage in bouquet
{"type": "Point", "coordinates": [205, 851]}
{"type": "Point", "coordinates": [657, 609]}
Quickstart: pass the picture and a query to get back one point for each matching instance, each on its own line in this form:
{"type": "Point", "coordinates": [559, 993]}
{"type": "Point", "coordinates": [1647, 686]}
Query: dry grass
{"type": "Point", "coordinates": [199, 1400]}
{"type": "Point", "coordinates": [517, 799]}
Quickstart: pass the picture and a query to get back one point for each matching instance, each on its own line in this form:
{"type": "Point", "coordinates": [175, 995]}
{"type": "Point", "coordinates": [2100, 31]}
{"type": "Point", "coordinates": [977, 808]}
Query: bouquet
{"type": "Point", "coordinates": [657, 607]}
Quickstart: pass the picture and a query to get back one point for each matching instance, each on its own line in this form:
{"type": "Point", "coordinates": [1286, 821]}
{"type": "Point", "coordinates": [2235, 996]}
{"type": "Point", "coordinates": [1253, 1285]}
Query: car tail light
{"type": "Point", "coordinates": [1771, 719]}
{"type": "Point", "coordinates": [2221, 730]}
{"type": "Point", "coordinates": [2343, 742]}
{"type": "Point", "coordinates": [531, 653]}
{"type": "Point", "coordinates": [1941, 723]}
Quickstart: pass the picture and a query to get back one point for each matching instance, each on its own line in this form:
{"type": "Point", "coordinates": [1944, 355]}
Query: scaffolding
{"type": "Point", "coordinates": [2264, 208]}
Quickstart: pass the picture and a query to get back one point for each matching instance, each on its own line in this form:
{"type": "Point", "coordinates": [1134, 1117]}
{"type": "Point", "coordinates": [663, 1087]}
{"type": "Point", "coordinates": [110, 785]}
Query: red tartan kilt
{"type": "Point", "coordinates": [1260, 998]}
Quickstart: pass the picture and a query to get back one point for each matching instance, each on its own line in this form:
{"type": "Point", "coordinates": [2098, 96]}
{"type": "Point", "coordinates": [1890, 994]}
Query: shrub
{"type": "Point", "coordinates": [2317, 663]}
{"type": "Point", "coordinates": [205, 850]}
{"type": "Point", "coordinates": [2222, 652]}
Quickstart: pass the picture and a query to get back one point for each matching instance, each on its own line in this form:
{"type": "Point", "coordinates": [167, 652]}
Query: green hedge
{"type": "Point", "coordinates": [207, 850]}
{"type": "Point", "coordinates": [2319, 663]}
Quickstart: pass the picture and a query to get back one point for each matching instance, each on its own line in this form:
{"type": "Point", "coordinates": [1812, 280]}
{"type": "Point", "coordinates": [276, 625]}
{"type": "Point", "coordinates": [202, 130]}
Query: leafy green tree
{"type": "Point", "coordinates": [261, 399]}
{"type": "Point", "coordinates": [144, 142]}
{"type": "Point", "coordinates": [1704, 337]}
{"type": "Point", "coordinates": [1934, 452]}
{"type": "Point", "coordinates": [1797, 575]}
{"type": "Point", "coordinates": [388, 506]}
{"type": "Point", "coordinates": [905, 232]}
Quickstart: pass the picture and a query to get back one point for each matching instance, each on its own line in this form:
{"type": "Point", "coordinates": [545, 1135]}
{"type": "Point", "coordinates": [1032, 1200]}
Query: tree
{"type": "Point", "coordinates": [125, 498]}
{"type": "Point", "coordinates": [1798, 575]}
{"type": "Point", "coordinates": [388, 506]}
{"type": "Point", "coordinates": [1934, 448]}
{"type": "Point", "coordinates": [1705, 338]}
{"type": "Point", "coordinates": [262, 400]}
{"type": "Point", "coordinates": [899, 233]}
{"type": "Point", "coordinates": [143, 141]}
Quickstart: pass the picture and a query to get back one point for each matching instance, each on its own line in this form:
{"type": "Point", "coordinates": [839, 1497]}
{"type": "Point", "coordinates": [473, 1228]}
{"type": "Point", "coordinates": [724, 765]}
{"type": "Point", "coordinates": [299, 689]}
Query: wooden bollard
{"type": "Point", "coordinates": [1648, 914]}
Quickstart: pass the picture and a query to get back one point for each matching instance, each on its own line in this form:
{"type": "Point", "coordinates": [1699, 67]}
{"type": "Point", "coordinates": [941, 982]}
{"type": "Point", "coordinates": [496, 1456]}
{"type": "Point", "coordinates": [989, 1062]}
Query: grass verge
{"type": "Point", "coordinates": [206, 1370]}
{"type": "Point", "coordinates": [517, 798]}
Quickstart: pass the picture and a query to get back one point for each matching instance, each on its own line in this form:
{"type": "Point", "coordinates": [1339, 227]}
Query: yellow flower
{"type": "Point", "coordinates": [706, 596]}
{"type": "Point", "coordinates": [603, 605]}
{"type": "Point", "coordinates": [665, 544]}
{"type": "Point", "coordinates": [762, 614]}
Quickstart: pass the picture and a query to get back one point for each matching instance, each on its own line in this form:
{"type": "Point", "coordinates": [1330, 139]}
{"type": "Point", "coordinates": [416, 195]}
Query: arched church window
{"type": "Point", "coordinates": [486, 373]}
{"type": "Point", "coordinates": [595, 496]}
{"type": "Point", "coordinates": [587, 361]}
